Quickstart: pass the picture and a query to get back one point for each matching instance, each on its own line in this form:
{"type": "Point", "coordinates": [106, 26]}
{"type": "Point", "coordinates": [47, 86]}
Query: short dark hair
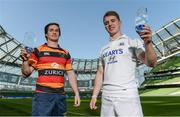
{"type": "Point", "coordinates": [47, 26]}
{"type": "Point", "coordinates": [111, 13]}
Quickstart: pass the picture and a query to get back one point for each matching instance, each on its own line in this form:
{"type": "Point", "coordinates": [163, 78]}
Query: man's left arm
{"type": "Point", "coordinates": [73, 83]}
{"type": "Point", "coordinates": [149, 56]}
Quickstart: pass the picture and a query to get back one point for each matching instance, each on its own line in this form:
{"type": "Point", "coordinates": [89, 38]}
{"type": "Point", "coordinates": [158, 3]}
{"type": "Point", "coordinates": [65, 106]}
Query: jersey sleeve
{"type": "Point", "coordinates": [68, 65]}
{"type": "Point", "coordinates": [33, 59]}
{"type": "Point", "coordinates": [139, 47]}
{"type": "Point", "coordinates": [100, 60]}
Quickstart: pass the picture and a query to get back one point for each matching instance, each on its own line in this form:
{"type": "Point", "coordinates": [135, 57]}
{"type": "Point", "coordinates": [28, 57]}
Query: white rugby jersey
{"type": "Point", "coordinates": [119, 60]}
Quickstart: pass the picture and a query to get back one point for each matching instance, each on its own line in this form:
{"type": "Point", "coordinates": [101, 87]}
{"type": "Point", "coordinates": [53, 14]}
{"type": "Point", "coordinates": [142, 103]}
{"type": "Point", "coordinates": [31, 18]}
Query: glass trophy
{"type": "Point", "coordinates": [141, 19]}
{"type": "Point", "coordinates": [29, 41]}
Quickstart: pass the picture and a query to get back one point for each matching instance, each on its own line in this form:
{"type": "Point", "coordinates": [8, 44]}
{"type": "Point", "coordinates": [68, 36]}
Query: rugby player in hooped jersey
{"type": "Point", "coordinates": [116, 71]}
{"type": "Point", "coordinates": [51, 62]}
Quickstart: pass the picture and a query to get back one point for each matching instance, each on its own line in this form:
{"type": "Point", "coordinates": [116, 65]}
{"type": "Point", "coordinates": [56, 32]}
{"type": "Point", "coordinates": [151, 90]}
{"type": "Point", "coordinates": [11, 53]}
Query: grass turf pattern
{"type": "Point", "coordinates": [152, 106]}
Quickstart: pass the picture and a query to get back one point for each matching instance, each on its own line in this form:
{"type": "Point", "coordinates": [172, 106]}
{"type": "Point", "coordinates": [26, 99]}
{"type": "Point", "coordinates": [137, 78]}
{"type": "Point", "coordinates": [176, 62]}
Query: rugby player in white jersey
{"type": "Point", "coordinates": [116, 71]}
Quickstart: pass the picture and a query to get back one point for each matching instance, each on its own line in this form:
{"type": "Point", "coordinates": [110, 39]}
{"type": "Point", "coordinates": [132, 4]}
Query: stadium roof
{"type": "Point", "coordinates": [166, 40]}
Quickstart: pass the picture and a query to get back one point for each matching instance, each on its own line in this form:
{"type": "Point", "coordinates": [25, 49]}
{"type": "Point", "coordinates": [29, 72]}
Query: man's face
{"type": "Point", "coordinates": [112, 24]}
{"type": "Point", "coordinates": [53, 33]}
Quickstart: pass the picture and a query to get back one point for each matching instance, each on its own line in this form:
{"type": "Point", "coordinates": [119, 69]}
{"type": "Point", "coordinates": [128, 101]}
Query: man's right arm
{"type": "Point", "coordinates": [26, 69]}
{"type": "Point", "coordinates": [98, 81]}
{"type": "Point", "coordinates": [97, 87]}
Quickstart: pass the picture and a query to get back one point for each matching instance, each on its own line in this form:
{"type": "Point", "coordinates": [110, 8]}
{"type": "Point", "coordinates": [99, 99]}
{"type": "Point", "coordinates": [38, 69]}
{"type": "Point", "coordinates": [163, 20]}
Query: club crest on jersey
{"type": "Point", "coordinates": [55, 65]}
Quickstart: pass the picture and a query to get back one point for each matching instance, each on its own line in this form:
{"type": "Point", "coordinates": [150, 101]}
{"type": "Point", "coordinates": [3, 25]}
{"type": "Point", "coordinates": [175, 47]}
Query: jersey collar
{"type": "Point", "coordinates": [120, 37]}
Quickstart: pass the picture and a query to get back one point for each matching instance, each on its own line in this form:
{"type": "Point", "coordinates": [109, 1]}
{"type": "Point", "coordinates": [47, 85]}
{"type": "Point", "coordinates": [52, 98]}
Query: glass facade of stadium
{"type": "Point", "coordinates": [166, 42]}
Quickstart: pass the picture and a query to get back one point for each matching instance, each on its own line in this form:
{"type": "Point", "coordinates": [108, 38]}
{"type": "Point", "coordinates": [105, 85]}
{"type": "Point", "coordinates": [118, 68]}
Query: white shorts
{"type": "Point", "coordinates": [126, 105]}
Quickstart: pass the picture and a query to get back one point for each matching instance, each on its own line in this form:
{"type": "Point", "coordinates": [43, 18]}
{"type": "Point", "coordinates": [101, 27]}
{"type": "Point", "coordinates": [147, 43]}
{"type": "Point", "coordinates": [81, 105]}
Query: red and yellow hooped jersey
{"type": "Point", "coordinates": [51, 64]}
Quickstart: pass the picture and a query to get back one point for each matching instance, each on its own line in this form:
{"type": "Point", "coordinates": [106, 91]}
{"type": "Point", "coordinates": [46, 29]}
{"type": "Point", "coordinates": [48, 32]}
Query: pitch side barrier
{"type": "Point", "coordinates": [160, 76]}
{"type": "Point", "coordinates": [164, 73]}
{"type": "Point", "coordinates": [155, 86]}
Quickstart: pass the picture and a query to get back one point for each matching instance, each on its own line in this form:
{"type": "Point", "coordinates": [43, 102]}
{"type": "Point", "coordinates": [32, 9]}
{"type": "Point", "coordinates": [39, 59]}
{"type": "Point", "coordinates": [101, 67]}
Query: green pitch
{"type": "Point", "coordinates": [152, 106]}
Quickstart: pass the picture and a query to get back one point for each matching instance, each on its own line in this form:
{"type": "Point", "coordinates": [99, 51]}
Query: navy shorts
{"type": "Point", "coordinates": [45, 104]}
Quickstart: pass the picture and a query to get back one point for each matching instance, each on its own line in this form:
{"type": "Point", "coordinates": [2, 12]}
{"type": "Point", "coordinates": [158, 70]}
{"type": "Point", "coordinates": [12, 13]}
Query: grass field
{"type": "Point", "coordinates": [152, 106]}
{"type": "Point", "coordinates": [161, 92]}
